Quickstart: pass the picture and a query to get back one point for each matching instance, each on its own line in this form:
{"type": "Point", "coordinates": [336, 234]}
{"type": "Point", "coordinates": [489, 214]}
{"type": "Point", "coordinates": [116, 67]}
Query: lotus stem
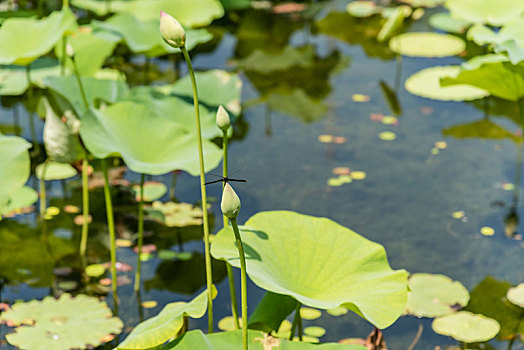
{"type": "Point", "coordinates": [30, 96]}
{"type": "Point", "coordinates": [65, 4]}
{"type": "Point", "coordinates": [111, 229]}
{"type": "Point", "coordinates": [43, 196]}
{"type": "Point", "coordinates": [85, 205]}
{"type": "Point", "coordinates": [297, 323]}
{"type": "Point", "coordinates": [140, 233]}
{"type": "Point", "coordinates": [243, 281]}
{"type": "Point", "coordinates": [209, 274]}
{"type": "Point", "coordinates": [81, 87]}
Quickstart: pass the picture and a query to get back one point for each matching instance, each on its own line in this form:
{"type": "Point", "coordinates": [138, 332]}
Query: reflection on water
{"type": "Point", "coordinates": [298, 85]}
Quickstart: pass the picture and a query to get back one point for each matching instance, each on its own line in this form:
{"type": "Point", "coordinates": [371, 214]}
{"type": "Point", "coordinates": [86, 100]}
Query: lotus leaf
{"type": "Point", "coordinates": [482, 129]}
{"type": "Point", "coordinates": [257, 341]}
{"type": "Point", "coordinates": [188, 12]}
{"type": "Point", "coordinates": [363, 8]}
{"type": "Point", "coordinates": [13, 79]}
{"type": "Point", "coordinates": [25, 39]}
{"type": "Point", "coordinates": [64, 323]}
{"type": "Point", "coordinates": [426, 83]}
{"type": "Point", "coordinates": [148, 143]}
{"type": "Point", "coordinates": [424, 3]}
{"type": "Point", "coordinates": [162, 327]}
{"type": "Point", "coordinates": [349, 270]}
{"type": "Point", "coordinates": [55, 171]}
{"type": "Point", "coordinates": [493, 73]}
{"type": "Point", "coordinates": [95, 89]}
{"type": "Point", "coordinates": [152, 191]}
{"type": "Point", "coordinates": [494, 12]}
{"type": "Point", "coordinates": [444, 21]}
{"type": "Point", "coordinates": [426, 44]}
{"type": "Point", "coordinates": [215, 88]}
{"type": "Point", "coordinates": [466, 327]}
{"type": "Point", "coordinates": [271, 311]}
{"type": "Point", "coordinates": [24, 197]}
{"type": "Point", "coordinates": [179, 214]}
{"type": "Point", "coordinates": [434, 295]}
{"type": "Point", "coordinates": [142, 36]}
{"type": "Point", "coordinates": [489, 298]}
{"type": "Point", "coordinates": [516, 295]}
{"type": "Point", "coordinates": [14, 166]}
{"type": "Point", "coordinates": [393, 23]}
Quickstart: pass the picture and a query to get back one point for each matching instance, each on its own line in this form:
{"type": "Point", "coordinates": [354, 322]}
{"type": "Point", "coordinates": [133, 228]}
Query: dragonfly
{"type": "Point", "coordinates": [224, 179]}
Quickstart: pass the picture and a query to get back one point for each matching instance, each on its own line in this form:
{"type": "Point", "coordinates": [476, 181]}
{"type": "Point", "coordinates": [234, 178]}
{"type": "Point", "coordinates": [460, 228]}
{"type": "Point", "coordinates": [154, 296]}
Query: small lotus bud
{"type": "Point", "coordinates": [230, 204]}
{"type": "Point", "coordinates": [223, 121]}
{"type": "Point", "coordinates": [70, 51]}
{"type": "Point", "coordinates": [172, 32]}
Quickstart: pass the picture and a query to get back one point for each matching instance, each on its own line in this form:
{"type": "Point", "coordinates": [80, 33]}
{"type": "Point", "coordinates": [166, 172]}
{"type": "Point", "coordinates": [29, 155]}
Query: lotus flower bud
{"type": "Point", "coordinates": [172, 32]}
{"type": "Point", "coordinates": [70, 51]}
{"type": "Point", "coordinates": [230, 204]}
{"type": "Point", "coordinates": [223, 121]}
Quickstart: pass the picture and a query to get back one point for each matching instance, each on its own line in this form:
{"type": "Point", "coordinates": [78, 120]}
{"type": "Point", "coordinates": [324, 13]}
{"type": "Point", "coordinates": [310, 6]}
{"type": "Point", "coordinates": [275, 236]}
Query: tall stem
{"type": "Point", "coordinates": [229, 268]}
{"type": "Point", "coordinates": [140, 233]}
{"type": "Point", "coordinates": [85, 205]}
{"type": "Point", "coordinates": [209, 274]}
{"type": "Point", "coordinates": [43, 196]}
{"type": "Point", "coordinates": [297, 323]}
{"type": "Point", "coordinates": [32, 128]}
{"type": "Point", "coordinates": [111, 229]}
{"type": "Point", "coordinates": [80, 85]}
{"type": "Point", "coordinates": [243, 281]}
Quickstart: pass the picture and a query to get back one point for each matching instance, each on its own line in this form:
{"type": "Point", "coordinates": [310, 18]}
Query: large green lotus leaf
{"type": "Point", "coordinates": [61, 142]}
{"type": "Point", "coordinates": [443, 21]}
{"type": "Point", "coordinates": [489, 298]}
{"type": "Point", "coordinates": [13, 79]}
{"type": "Point", "coordinates": [434, 295]}
{"type": "Point", "coordinates": [66, 323]}
{"type": "Point", "coordinates": [14, 165]}
{"type": "Point", "coordinates": [481, 129]}
{"type": "Point", "coordinates": [25, 39]}
{"type": "Point", "coordinates": [318, 262]}
{"type": "Point", "coordinates": [22, 198]}
{"type": "Point", "coordinates": [54, 171]}
{"type": "Point", "coordinates": [427, 44]}
{"type": "Point", "coordinates": [215, 88]}
{"type": "Point", "coordinates": [466, 327]}
{"type": "Point", "coordinates": [188, 12]}
{"type": "Point", "coordinates": [516, 295]}
{"type": "Point", "coordinates": [143, 36]}
{"type": "Point", "coordinates": [96, 89]}
{"type": "Point", "coordinates": [176, 109]}
{"type": "Point", "coordinates": [494, 12]}
{"type": "Point", "coordinates": [271, 311]}
{"type": "Point", "coordinates": [493, 73]}
{"type": "Point", "coordinates": [426, 83]}
{"type": "Point", "coordinates": [148, 143]}
{"type": "Point", "coordinates": [257, 341]}
{"type": "Point", "coordinates": [162, 327]}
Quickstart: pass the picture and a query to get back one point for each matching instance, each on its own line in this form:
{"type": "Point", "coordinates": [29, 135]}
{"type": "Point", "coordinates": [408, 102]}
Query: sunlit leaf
{"type": "Point", "coordinates": [178, 214]}
{"type": "Point", "coordinates": [14, 166]}
{"type": "Point", "coordinates": [466, 327]}
{"type": "Point", "coordinates": [494, 12]}
{"type": "Point", "coordinates": [422, 44]}
{"type": "Point", "coordinates": [363, 8]}
{"type": "Point", "coordinates": [55, 171]}
{"type": "Point", "coordinates": [393, 23]}
{"type": "Point", "coordinates": [516, 295]}
{"type": "Point", "coordinates": [13, 79]}
{"type": "Point", "coordinates": [271, 311]}
{"type": "Point", "coordinates": [444, 21]}
{"type": "Point", "coordinates": [152, 191]}
{"type": "Point", "coordinates": [19, 200]}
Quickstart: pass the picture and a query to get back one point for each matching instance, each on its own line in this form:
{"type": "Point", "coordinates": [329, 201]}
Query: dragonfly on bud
{"type": "Point", "coordinates": [224, 179]}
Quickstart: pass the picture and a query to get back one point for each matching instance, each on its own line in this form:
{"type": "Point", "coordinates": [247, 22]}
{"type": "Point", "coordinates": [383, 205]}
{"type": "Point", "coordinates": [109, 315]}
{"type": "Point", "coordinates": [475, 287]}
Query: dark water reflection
{"type": "Point", "coordinates": [299, 74]}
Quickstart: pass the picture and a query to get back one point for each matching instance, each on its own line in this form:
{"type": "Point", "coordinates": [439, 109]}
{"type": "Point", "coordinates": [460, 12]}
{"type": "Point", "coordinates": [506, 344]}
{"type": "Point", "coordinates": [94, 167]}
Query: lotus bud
{"type": "Point", "coordinates": [223, 121]}
{"type": "Point", "coordinates": [172, 32]}
{"type": "Point", "coordinates": [230, 204]}
{"type": "Point", "coordinates": [70, 51]}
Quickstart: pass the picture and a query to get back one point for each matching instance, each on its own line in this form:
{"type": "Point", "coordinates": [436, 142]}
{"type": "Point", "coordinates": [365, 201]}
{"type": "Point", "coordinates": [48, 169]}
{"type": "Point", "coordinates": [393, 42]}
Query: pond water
{"type": "Point", "coordinates": [405, 202]}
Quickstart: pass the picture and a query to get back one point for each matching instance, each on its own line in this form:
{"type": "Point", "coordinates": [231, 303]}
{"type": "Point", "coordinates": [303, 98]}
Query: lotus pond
{"type": "Point", "coordinates": [380, 143]}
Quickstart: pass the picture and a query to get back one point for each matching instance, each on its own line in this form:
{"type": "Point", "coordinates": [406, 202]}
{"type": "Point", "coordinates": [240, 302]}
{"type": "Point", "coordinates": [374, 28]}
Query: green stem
{"type": "Point", "coordinates": [80, 85]}
{"type": "Point", "coordinates": [64, 55]}
{"type": "Point", "coordinates": [297, 323]}
{"type": "Point", "coordinates": [85, 206]}
{"type": "Point", "coordinates": [243, 281]}
{"type": "Point", "coordinates": [229, 268]}
{"type": "Point", "coordinates": [30, 97]}
{"type": "Point", "coordinates": [43, 196]}
{"type": "Point", "coordinates": [65, 4]}
{"type": "Point", "coordinates": [209, 274]}
{"type": "Point", "coordinates": [111, 229]}
{"type": "Point", "coordinates": [140, 233]}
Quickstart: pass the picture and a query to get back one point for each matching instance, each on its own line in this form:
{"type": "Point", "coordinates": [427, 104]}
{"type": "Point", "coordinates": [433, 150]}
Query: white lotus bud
{"type": "Point", "coordinates": [230, 204]}
{"type": "Point", "coordinates": [222, 119]}
{"type": "Point", "coordinates": [172, 32]}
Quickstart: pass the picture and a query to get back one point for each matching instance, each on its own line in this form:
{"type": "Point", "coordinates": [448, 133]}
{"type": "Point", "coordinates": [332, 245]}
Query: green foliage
{"type": "Point", "coordinates": [271, 311]}
{"type": "Point", "coordinates": [55, 171]}
{"type": "Point", "coordinates": [13, 79]}
{"type": "Point", "coordinates": [466, 327]}
{"type": "Point", "coordinates": [348, 269]}
{"type": "Point", "coordinates": [494, 12]}
{"type": "Point", "coordinates": [426, 44]}
{"type": "Point", "coordinates": [14, 167]}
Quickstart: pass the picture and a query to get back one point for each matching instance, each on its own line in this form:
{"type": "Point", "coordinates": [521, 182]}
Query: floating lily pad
{"type": "Point", "coordinates": [444, 21]}
{"type": "Point", "coordinates": [148, 143]}
{"type": "Point", "coordinates": [516, 295]}
{"type": "Point", "coordinates": [308, 313]}
{"type": "Point", "coordinates": [160, 328]}
{"type": "Point", "coordinates": [426, 83]}
{"type": "Point", "coordinates": [466, 327]}
{"type": "Point", "coordinates": [95, 270]}
{"type": "Point", "coordinates": [363, 8]}
{"type": "Point", "coordinates": [179, 214]}
{"type": "Point", "coordinates": [25, 39]}
{"type": "Point", "coordinates": [434, 295]}
{"type": "Point", "coordinates": [338, 311]}
{"type": "Point", "coordinates": [257, 341]}
{"type": "Point", "coordinates": [423, 3]}
{"type": "Point", "coordinates": [315, 331]}
{"type": "Point", "coordinates": [494, 12]}
{"type": "Point", "coordinates": [487, 231]}
{"type": "Point", "coordinates": [152, 191]}
{"type": "Point", "coordinates": [55, 171]}
{"type": "Point", "coordinates": [14, 166]}
{"type": "Point", "coordinates": [64, 323]}
{"type": "Point", "coordinates": [427, 44]}
{"type": "Point", "coordinates": [228, 323]}
{"type": "Point", "coordinates": [387, 136]}
{"type": "Point", "coordinates": [278, 242]}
